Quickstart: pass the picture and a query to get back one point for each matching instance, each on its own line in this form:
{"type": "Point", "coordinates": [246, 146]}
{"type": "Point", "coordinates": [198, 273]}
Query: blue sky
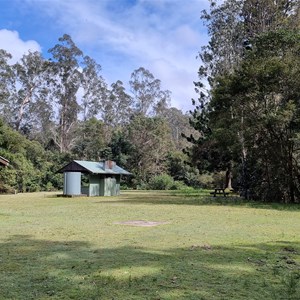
{"type": "Point", "coordinates": [163, 36]}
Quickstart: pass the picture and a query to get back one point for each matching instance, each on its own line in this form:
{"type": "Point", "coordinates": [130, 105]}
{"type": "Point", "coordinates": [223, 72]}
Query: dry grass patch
{"type": "Point", "coordinates": [141, 223]}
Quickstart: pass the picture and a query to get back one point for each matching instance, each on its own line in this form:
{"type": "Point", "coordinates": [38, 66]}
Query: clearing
{"type": "Point", "coordinates": [147, 245]}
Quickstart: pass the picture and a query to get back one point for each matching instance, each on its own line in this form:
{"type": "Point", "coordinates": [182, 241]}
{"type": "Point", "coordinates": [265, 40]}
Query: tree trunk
{"type": "Point", "coordinates": [25, 101]}
{"type": "Point", "coordinates": [228, 181]}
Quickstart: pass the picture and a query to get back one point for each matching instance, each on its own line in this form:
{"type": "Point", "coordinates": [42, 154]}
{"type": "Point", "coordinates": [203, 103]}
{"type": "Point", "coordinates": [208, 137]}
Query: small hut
{"type": "Point", "coordinates": [103, 178]}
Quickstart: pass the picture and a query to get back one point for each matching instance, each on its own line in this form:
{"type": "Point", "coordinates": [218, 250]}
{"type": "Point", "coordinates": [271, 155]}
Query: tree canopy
{"type": "Point", "coordinates": [248, 119]}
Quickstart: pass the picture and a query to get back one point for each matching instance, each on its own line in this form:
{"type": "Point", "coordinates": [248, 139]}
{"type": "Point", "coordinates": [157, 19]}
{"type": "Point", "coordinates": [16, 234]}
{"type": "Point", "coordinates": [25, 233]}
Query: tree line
{"type": "Point", "coordinates": [61, 108]}
{"type": "Point", "coordinates": [248, 110]}
{"type": "Point", "coordinates": [245, 123]}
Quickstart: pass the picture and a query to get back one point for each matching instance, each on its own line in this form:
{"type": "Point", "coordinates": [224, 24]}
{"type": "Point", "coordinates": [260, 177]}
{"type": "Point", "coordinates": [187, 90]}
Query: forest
{"type": "Point", "coordinates": [58, 109]}
{"type": "Point", "coordinates": [245, 125]}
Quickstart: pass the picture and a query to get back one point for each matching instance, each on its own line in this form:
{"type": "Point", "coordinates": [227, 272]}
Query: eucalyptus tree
{"type": "Point", "coordinates": [151, 142]}
{"type": "Point", "coordinates": [24, 93]}
{"type": "Point", "coordinates": [30, 100]}
{"type": "Point", "coordinates": [269, 15]}
{"type": "Point", "coordinates": [6, 84]}
{"type": "Point", "coordinates": [94, 88]}
{"type": "Point", "coordinates": [179, 125]}
{"type": "Point", "coordinates": [147, 92]}
{"type": "Point", "coordinates": [118, 107]}
{"type": "Point", "coordinates": [231, 26]}
{"type": "Point", "coordinates": [67, 80]}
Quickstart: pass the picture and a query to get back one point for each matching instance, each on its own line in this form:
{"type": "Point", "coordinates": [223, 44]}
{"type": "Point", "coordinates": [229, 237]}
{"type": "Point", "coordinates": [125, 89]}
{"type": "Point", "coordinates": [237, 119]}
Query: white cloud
{"type": "Point", "coordinates": [13, 44]}
{"type": "Point", "coordinates": [161, 35]}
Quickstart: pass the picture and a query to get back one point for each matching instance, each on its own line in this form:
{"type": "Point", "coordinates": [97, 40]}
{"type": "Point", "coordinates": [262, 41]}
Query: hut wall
{"type": "Point", "coordinates": [94, 188]}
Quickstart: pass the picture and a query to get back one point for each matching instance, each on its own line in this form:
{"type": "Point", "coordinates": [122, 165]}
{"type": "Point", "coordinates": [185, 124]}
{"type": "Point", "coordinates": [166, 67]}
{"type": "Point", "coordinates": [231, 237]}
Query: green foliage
{"type": "Point", "coordinates": [121, 149]}
{"type": "Point", "coordinates": [179, 185]}
{"type": "Point", "coordinates": [249, 121]}
{"type": "Point", "coordinates": [165, 182]}
{"type": "Point", "coordinates": [148, 95]}
{"type": "Point", "coordinates": [64, 103]}
{"type": "Point", "coordinates": [90, 140]}
{"type": "Point", "coordinates": [30, 168]}
{"type": "Point", "coordinates": [161, 182]}
{"type": "Point", "coordinates": [151, 142]}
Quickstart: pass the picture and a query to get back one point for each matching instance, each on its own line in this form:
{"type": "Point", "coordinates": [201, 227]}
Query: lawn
{"type": "Point", "coordinates": [201, 247]}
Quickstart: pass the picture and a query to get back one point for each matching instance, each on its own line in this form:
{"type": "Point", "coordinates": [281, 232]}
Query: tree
{"type": "Point", "coordinates": [94, 89]}
{"type": "Point", "coordinates": [89, 142]}
{"type": "Point", "coordinates": [271, 116]}
{"type": "Point", "coordinates": [150, 140]}
{"type": "Point", "coordinates": [234, 27]}
{"type": "Point", "coordinates": [225, 28]}
{"type": "Point", "coordinates": [121, 149]}
{"type": "Point", "coordinates": [67, 82]}
{"type": "Point", "coordinates": [30, 167]}
{"type": "Point", "coordinates": [6, 84]}
{"type": "Point", "coordinates": [269, 15]}
{"type": "Point", "coordinates": [179, 127]}
{"type": "Point", "coordinates": [30, 99]}
{"type": "Point", "coordinates": [255, 112]}
{"type": "Point", "coordinates": [117, 108]}
{"type": "Point", "coordinates": [231, 26]}
{"type": "Point", "coordinates": [147, 91]}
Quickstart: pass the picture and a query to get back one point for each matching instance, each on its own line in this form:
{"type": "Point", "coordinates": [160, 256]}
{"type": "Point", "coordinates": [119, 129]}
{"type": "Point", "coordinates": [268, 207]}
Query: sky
{"type": "Point", "coordinates": [163, 36]}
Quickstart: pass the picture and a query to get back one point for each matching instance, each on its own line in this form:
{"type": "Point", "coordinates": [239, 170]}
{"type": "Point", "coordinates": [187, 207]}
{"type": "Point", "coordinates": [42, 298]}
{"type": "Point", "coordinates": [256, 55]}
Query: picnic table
{"type": "Point", "coordinates": [219, 192]}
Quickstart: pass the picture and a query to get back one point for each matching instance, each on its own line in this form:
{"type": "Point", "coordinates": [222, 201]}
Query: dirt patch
{"type": "Point", "coordinates": [141, 223]}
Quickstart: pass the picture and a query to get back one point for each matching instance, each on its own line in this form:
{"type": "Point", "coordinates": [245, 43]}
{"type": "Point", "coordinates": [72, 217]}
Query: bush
{"type": "Point", "coordinates": [219, 179]}
{"type": "Point", "coordinates": [207, 181]}
{"type": "Point", "coordinates": [5, 189]}
{"type": "Point", "coordinates": [161, 182]}
{"type": "Point", "coordinates": [178, 185]}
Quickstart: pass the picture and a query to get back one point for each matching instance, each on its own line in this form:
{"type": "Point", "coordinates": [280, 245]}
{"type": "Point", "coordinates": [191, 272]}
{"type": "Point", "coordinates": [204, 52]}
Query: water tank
{"type": "Point", "coordinates": [72, 183]}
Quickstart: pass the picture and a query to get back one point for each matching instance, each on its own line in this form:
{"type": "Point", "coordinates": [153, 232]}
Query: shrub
{"type": "Point", "coordinates": [5, 189]}
{"type": "Point", "coordinates": [161, 182]}
{"type": "Point", "coordinates": [206, 180]}
{"type": "Point", "coordinates": [178, 185]}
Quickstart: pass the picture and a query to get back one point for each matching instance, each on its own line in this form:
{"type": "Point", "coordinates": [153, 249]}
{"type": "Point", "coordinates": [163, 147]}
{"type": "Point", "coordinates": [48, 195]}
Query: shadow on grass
{"type": "Point", "coordinates": [194, 198]}
{"type": "Point", "coordinates": [41, 269]}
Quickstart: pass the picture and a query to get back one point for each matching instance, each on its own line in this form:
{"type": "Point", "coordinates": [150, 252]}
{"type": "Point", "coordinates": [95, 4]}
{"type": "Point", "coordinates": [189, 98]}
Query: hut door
{"type": "Point", "coordinates": [110, 188]}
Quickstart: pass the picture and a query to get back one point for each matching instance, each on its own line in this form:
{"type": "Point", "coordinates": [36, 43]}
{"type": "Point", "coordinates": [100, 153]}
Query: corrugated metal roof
{"type": "Point", "coordinates": [100, 168]}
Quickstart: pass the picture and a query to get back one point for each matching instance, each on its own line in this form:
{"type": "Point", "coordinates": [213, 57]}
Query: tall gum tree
{"type": "Point", "coordinates": [6, 84]}
{"type": "Point", "coordinates": [67, 77]}
{"type": "Point", "coordinates": [31, 77]}
{"type": "Point", "coordinates": [147, 92]}
{"type": "Point", "coordinates": [94, 87]}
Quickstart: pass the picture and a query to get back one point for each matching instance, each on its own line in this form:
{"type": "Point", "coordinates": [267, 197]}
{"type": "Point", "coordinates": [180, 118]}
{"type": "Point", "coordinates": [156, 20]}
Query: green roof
{"type": "Point", "coordinates": [101, 167]}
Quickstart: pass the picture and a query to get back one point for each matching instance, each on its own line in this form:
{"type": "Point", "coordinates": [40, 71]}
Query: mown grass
{"type": "Point", "coordinates": [210, 248]}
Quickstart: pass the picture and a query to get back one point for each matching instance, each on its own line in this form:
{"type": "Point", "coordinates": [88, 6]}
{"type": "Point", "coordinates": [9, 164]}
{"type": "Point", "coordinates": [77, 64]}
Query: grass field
{"type": "Point", "coordinates": [205, 247]}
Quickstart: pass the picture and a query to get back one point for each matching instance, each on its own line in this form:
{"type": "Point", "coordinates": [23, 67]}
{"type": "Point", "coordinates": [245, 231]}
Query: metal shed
{"type": "Point", "coordinates": [103, 178]}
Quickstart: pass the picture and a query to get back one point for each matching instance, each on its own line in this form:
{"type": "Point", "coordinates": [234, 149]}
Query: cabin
{"type": "Point", "coordinates": [101, 178]}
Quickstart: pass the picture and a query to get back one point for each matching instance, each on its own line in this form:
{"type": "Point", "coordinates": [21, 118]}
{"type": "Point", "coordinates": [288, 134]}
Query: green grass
{"type": "Point", "coordinates": [210, 248]}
